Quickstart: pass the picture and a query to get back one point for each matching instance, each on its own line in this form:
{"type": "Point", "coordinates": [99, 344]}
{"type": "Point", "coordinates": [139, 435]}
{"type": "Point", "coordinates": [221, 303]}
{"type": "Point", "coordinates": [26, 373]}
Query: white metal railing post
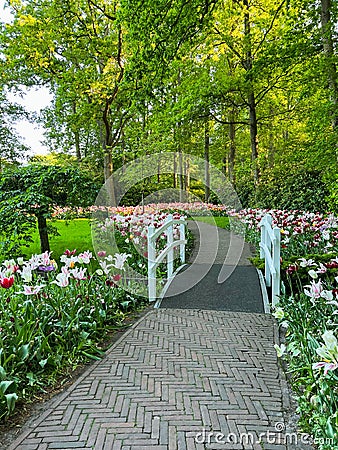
{"type": "Point", "coordinates": [268, 223]}
{"type": "Point", "coordinates": [170, 241]}
{"type": "Point", "coordinates": [276, 263]}
{"type": "Point", "coordinates": [270, 251]}
{"type": "Point", "coordinates": [261, 249]}
{"type": "Point", "coordinates": [151, 265]}
{"type": "Point", "coordinates": [167, 252]}
{"type": "Point", "coordinates": [182, 246]}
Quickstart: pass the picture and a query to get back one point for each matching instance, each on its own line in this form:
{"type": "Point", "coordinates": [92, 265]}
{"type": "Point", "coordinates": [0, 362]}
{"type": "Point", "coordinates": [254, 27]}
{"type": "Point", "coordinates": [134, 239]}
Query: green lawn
{"type": "Point", "coordinates": [74, 233]}
{"type": "Point", "coordinates": [222, 222]}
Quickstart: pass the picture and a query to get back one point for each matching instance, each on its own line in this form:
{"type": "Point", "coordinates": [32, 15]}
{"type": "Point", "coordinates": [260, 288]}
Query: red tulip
{"type": "Point", "coordinates": [7, 282]}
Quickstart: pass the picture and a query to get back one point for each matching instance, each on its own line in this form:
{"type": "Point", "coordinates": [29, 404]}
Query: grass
{"type": "Point", "coordinates": [222, 222]}
{"type": "Point", "coordinates": [74, 233]}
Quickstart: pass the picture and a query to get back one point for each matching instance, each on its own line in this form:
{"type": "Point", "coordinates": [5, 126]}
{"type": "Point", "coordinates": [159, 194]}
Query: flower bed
{"type": "Point", "coordinates": [195, 208]}
{"type": "Point", "coordinates": [54, 315]}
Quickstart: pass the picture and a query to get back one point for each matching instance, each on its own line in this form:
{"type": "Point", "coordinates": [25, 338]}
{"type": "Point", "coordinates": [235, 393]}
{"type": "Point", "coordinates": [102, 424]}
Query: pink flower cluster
{"type": "Point", "coordinates": [30, 275]}
{"type": "Point", "coordinates": [135, 227]}
{"type": "Point", "coordinates": [311, 229]}
{"type": "Point", "coordinates": [193, 208]}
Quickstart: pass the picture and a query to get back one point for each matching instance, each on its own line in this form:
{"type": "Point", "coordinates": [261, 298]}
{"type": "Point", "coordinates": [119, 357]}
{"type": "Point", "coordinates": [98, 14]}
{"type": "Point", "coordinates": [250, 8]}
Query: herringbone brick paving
{"type": "Point", "coordinates": [177, 380]}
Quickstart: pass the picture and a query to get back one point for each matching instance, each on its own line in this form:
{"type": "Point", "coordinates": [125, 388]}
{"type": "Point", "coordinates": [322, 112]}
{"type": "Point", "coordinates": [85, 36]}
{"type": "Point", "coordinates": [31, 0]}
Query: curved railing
{"type": "Point", "coordinates": [167, 252]}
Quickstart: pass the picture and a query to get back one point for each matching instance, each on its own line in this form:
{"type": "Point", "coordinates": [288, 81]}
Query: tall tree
{"type": "Point", "coordinates": [330, 58]}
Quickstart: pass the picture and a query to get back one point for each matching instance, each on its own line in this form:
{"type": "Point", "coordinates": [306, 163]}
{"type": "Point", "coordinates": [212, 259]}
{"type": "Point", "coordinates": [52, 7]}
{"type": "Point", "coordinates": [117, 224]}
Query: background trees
{"type": "Point", "coordinates": [250, 86]}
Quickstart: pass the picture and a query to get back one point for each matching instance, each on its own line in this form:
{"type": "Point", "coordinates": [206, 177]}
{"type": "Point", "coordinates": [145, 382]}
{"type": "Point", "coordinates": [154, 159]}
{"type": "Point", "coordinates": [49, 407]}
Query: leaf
{"type": "Point", "coordinates": [329, 429]}
{"type": "Point", "coordinates": [4, 385]}
{"type": "Point", "coordinates": [2, 373]}
{"type": "Point", "coordinates": [43, 362]}
{"type": "Point", "coordinates": [11, 400]}
{"type": "Point", "coordinates": [31, 378]}
{"type": "Point", "coordinates": [23, 352]}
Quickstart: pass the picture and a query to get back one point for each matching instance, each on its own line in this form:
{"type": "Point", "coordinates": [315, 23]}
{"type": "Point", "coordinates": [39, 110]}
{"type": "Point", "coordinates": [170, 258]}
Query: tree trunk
{"type": "Point", "coordinates": [77, 139]}
{"type": "Point", "coordinates": [180, 174]}
{"type": "Point", "coordinates": [109, 182]}
{"type": "Point", "coordinates": [224, 166]}
{"type": "Point", "coordinates": [107, 156]}
{"type": "Point", "coordinates": [253, 136]}
{"type": "Point", "coordinates": [251, 94]}
{"type": "Point", "coordinates": [232, 148]}
{"type": "Point", "coordinates": [43, 233]}
{"type": "Point", "coordinates": [327, 31]}
{"type": "Point", "coordinates": [206, 160]}
{"type": "Point", "coordinates": [187, 175]}
{"type": "Point", "coordinates": [175, 170]}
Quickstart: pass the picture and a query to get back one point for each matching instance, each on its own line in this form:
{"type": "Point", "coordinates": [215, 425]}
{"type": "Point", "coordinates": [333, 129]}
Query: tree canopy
{"type": "Point", "coordinates": [249, 85]}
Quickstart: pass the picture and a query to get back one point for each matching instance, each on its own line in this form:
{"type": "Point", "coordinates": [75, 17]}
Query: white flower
{"type": "Point", "coordinates": [328, 352]}
{"type": "Point", "coordinates": [315, 290]}
{"type": "Point", "coordinates": [85, 257]}
{"type": "Point", "coordinates": [46, 258]}
{"type": "Point", "coordinates": [26, 274]}
{"type": "Point", "coordinates": [280, 350]}
{"type": "Point", "coordinates": [69, 262]}
{"type": "Point", "coordinates": [119, 260]}
{"type": "Point", "coordinates": [62, 280]}
{"type": "Point", "coordinates": [79, 274]}
{"type": "Point", "coordinates": [306, 262]}
{"type": "Point", "coordinates": [322, 269]}
{"type": "Point", "coordinates": [326, 235]}
{"type": "Point", "coordinates": [330, 340]}
{"type": "Point", "coordinates": [328, 295]}
{"type": "Point", "coordinates": [278, 313]}
{"type": "Point", "coordinates": [313, 274]}
{"type": "Point", "coordinates": [32, 290]}
{"type": "Point", "coordinates": [105, 267]}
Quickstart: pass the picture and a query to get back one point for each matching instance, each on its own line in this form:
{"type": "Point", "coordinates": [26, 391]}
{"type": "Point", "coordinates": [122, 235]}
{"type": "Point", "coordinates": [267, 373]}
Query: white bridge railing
{"type": "Point", "coordinates": [270, 251]}
{"type": "Point", "coordinates": [167, 252]}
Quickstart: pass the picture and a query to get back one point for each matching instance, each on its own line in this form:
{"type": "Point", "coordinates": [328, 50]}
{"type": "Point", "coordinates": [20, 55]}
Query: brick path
{"type": "Point", "coordinates": [174, 381]}
{"type": "Point", "coordinates": [179, 379]}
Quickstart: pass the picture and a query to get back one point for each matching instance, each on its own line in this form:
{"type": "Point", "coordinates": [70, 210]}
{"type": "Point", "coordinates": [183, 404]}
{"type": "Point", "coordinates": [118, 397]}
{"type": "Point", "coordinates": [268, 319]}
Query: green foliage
{"type": "Point", "coordinates": [131, 79]}
{"type": "Point", "coordinates": [300, 188]}
{"type": "Point", "coordinates": [30, 193]}
{"type": "Point", "coordinates": [44, 335]}
{"type": "Point", "coordinates": [316, 393]}
{"type": "Point", "coordinates": [11, 146]}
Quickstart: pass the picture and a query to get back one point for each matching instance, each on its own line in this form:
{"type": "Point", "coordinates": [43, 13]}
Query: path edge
{"type": "Point", "coordinates": [34, 422]}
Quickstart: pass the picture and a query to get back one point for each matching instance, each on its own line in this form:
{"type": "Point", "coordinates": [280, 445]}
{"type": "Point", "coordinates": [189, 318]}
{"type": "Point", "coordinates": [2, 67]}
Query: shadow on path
{"type": "Point", "coordinates": [219, 275]}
